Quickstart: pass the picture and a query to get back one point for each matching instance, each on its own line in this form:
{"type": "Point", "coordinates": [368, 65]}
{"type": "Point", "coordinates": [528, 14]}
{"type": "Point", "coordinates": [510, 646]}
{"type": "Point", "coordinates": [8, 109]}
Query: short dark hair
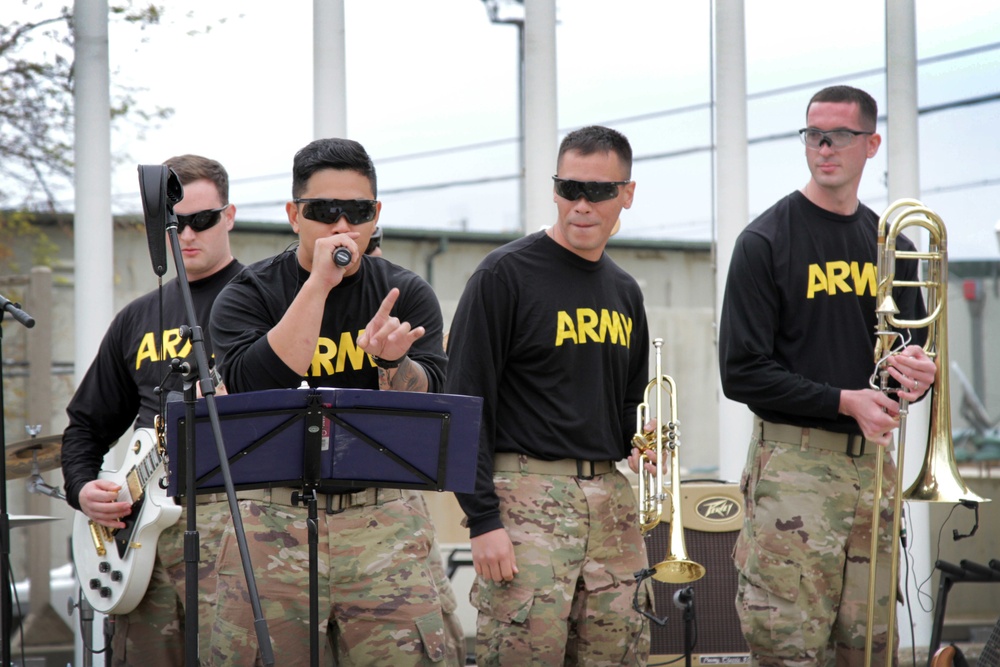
{"type": "Point", "coordinates": [866, 103]}
{"type": "Point", "coordinates": [190, 168]}
{"type": "Point", "coordinates": [598, 139]}
{"type": "Point", "coordinates": [343, 154]}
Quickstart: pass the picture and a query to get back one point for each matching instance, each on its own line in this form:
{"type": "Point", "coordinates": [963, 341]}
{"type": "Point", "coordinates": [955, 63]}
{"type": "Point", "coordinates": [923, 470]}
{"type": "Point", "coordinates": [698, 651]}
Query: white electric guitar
{"type": "Point", "coordinates": [114, 565]}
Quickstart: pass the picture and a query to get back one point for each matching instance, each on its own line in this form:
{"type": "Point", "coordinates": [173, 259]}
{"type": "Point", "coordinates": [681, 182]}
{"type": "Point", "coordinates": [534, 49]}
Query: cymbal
{"type": "Point", "coordinates": [47, 451]}
{"type": "Point", "coordinates": [29, 519]}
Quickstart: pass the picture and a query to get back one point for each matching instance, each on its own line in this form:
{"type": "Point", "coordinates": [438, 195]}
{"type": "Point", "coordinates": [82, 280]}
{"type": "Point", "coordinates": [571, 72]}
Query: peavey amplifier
{"type": "Point", "coordinates": [712, 514]}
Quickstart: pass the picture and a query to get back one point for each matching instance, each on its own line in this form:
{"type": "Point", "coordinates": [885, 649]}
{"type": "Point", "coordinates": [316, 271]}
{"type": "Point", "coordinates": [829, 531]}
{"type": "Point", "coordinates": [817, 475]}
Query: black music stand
{"type": "Point", "coordinates": [331, 441]}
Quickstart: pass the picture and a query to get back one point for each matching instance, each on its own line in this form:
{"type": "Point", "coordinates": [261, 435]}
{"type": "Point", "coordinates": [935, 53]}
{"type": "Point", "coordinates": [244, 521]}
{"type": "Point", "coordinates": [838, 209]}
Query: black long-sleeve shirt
{"type": "Point", "coordinates": [120, 384]}
{"type": "Point", "coordinates": [558, 347]}
{"type": "Point", "coordinates": [799, 315]}
{"type": "Point", "coordinates": [257, 300]}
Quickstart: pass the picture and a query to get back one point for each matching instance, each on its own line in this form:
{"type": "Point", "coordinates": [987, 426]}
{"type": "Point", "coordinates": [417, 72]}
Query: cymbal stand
{"type": "Point", "coordinates": [6, 607]}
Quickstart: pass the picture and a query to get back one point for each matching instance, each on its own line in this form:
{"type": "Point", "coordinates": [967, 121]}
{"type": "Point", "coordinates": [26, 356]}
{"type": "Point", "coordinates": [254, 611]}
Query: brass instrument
{"type": "Point", "coordinates": [664, 441]}
{"type": "Point", "coordinates": [939, 480]}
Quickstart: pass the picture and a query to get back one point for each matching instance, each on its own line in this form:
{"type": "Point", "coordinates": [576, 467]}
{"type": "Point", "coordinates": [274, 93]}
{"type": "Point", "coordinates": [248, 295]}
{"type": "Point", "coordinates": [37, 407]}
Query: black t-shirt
{"type": "Point", "coordinates": [120, 384]}
{"type": "Point", "coordinates": [557, 346]}
{"type": "Point", "coordinates": [798, 316]}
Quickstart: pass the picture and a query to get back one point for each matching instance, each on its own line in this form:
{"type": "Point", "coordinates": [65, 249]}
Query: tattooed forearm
{"type": "Point", "coordinates": [409, 376]}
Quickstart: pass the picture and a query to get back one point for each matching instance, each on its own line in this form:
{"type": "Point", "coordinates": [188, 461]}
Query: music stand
{"type": "Point", "coordinates": [331, 441]}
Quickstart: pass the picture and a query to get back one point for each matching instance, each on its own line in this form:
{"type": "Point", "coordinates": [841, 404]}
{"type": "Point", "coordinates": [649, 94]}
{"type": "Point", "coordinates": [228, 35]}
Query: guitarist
{"type": "Point", "coordinates": [119, 388]}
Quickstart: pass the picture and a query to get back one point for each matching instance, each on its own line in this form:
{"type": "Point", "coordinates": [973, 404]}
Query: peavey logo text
{"type": "Point", "coordinates": [717, 509]}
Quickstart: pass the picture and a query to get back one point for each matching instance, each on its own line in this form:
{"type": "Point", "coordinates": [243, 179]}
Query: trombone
{"type": "Point", "coordinates": [676, 568]}
{"type": "Point", "coordinates": [939, 479]}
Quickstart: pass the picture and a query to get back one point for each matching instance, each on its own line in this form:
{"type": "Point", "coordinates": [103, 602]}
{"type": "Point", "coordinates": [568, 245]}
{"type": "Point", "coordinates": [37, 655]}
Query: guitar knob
{"type": "Point", "coordinates": [105, 592]}
{"type": "Point", "coordinates": [117, 576]}
{"type": "Point", "coordinates": [95, 584]}
{"type": "Point", "coordinates": [104, 567]}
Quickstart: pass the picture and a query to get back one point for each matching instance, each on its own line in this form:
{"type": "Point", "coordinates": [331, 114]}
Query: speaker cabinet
{"type": "Point", "coordinates": [712, 514]}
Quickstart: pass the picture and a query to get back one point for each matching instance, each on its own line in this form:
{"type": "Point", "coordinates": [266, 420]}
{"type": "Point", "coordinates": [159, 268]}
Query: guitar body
{"type": "Point", "coordinates": [114, 565]}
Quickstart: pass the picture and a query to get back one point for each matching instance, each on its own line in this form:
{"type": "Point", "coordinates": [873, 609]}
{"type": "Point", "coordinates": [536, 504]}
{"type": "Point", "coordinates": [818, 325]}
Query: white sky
{"type": "Point", "coordinates": [425, 76]}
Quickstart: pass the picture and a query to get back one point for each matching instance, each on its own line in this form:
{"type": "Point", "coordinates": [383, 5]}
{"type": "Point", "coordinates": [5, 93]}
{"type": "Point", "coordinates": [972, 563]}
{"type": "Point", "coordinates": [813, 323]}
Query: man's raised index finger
{"type": "Point", "coordinates": [387, 303]}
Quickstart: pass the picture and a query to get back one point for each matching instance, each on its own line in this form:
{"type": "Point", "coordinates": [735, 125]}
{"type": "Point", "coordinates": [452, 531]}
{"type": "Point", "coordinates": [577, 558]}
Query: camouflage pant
{"type": "Point", "coordinates": [804, 551]}
{"type": "Point", "coordinates": [152, 634]}
{"type": "Point", "coordinates": [378, 601]}
{"type": "Point", "coordinates": [454, 634]}
{"type": "Point", "coordinates": [577, 547]}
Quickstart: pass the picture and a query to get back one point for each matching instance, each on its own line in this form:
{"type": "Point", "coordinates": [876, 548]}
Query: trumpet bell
{"type": "Point", "coordinates": [678, 571]}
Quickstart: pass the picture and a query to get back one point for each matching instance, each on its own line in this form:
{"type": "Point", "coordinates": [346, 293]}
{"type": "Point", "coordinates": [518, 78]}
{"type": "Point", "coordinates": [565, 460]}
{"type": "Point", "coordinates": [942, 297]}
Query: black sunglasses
{"type": "Point", "coordinates": [594, 191]}
{"type": "Point", "coordinates": [201, 220]}
{"type": "Point", "coordinates": [329, 211]}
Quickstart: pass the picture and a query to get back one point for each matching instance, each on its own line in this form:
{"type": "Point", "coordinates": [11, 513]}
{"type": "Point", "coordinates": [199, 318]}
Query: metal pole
{"type": "Point", "coordinates": [541, 133]}
{"type": "Point", "coordinates": [731, 199]}
{"type": "Point", "coordinates": [329, 70]}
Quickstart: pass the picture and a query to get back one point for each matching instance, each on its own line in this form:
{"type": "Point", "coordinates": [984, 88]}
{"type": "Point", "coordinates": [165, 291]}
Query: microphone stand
{"type": "Point", "coordinates": [191, 547]}
{"type": "Point", "coordinates": [6, 604]}
{"type": "Point", "coordinates": [684, 600]}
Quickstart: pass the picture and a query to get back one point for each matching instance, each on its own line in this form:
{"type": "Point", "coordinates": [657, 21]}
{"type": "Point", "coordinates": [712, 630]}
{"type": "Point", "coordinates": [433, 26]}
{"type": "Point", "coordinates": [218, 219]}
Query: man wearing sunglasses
{"type": "Point", "coordinates": [333, 316]}
{"type": "Point", "coordinates": [121, 386]}
{"type": "Point", "coordinates": [796, 344]}
{"type": "Point", "coordinates": [553, 335]}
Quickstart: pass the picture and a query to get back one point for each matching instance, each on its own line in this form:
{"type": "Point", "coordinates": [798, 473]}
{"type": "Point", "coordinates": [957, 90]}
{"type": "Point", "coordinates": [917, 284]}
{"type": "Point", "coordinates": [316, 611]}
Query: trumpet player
{"type": "Point", "coordinates": [552, 334]}
{"type": "Point", "coordinates": [796, 341]}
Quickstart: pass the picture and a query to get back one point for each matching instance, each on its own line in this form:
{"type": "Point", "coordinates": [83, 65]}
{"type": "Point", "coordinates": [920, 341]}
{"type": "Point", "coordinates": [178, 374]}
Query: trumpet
{"type": "Point", "coordinates": [665, 442]}
{"type": "Point", "coordinates": [939, 479]}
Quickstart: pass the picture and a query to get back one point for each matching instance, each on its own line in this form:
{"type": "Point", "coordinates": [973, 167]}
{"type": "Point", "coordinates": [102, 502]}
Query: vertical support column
{"type": "Point", "coordinates": [93, 227]}
{"type": "Point", "coordinates": [329, 69]}
{"type": "Point", "coordinates": [39, 413]}
{"type": "Point", "coordinates": [541, 133]}
{"type": "Point", "coordinates": [732, 202]}
{"type": "Point", "coordinates": [903, 144]}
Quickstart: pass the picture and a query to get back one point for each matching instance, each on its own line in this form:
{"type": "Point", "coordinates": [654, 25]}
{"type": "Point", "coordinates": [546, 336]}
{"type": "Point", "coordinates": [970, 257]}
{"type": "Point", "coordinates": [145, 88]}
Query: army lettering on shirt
{"type": "Point", "coordinates": [588, 325]}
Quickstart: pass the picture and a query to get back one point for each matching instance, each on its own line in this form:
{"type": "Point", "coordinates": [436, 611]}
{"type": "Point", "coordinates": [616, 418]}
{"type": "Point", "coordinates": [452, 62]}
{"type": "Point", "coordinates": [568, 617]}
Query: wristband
{"type": "Point", "coordinates": [388, 364]}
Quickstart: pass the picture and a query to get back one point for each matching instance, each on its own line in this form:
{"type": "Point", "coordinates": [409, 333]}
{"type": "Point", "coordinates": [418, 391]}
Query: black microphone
{"type": "Point", "coordinates": [683, 597]}
{"type": "Point", "coordinates": [341, 256]}
{"type": "Point", "coordinates": [8, 306]}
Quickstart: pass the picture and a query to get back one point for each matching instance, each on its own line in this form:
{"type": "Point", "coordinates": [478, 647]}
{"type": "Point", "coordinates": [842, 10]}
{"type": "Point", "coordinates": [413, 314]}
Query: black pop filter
{"type": "Point", "coordinates": [160, 189]}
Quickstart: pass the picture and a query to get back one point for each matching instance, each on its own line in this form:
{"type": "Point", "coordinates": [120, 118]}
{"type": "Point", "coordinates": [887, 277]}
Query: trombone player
{"type": "Point", "coordinates": [796, 342]}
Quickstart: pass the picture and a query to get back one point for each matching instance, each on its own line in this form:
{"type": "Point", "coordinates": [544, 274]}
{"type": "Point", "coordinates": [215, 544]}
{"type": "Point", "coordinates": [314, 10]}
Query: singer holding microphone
{"type": "Point", "coordinates": [326, 313]}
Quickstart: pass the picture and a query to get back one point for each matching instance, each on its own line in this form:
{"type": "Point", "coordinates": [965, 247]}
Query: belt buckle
{"type": "Point", "coordinates": [340, 503]}
{"type": "Point", "coordinates": [579, 470]}
{"type": "Point", "coordinates": [850, 446]}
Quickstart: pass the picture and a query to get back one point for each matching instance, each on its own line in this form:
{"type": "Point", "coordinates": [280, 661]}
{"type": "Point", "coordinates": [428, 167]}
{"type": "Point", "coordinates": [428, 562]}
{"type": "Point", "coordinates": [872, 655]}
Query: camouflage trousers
{"type": "Point", "coordinates": [379, 604]}
{"type": "Point", "coordinates": [804, 552]}
{"type": "Point", "coordinates": [152, 634]}
{"type": "Point", "coordinates": [454, 634]}
{"type": "Point", "coordinates": [577, 546]}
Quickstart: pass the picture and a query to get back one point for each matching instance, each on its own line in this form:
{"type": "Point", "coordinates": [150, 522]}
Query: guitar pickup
{"type": "Point", "coordinates": [97, 532]}
{"type": "Point", "coordinates": [135, 485]}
